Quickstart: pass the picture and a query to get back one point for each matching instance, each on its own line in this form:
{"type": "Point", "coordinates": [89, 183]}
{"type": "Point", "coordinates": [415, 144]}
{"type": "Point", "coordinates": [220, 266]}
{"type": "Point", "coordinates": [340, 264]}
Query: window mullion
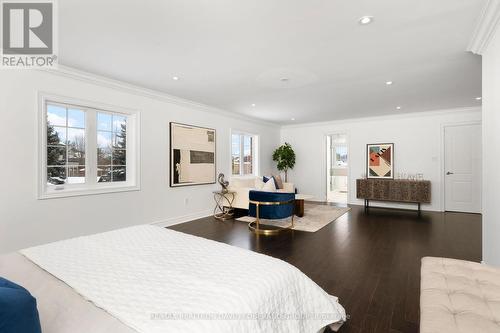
{"type": "Point", "coordinates": [242, 155]}
{"type": "Point", "coordinates": [91, 147]}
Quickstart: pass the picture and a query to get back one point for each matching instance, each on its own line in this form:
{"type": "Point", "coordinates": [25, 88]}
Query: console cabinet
{"type": "Point", "coordinates": [395, 190]}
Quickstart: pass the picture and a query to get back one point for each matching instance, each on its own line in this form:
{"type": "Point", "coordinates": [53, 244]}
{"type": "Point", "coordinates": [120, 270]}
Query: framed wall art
{"type": "Point", "coordinates": [380, 161]}
{"type": "Point", "coordinates": [192, 155]}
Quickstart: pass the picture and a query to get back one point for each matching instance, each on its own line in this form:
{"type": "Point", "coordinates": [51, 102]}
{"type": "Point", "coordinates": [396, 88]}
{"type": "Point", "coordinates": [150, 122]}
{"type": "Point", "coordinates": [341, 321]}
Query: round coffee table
{"type": "Point", "coordinates": [299, 203]}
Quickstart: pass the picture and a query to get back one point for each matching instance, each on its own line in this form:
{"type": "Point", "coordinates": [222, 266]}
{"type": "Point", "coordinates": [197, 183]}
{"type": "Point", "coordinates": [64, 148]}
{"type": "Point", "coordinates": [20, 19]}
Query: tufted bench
{"type": "Point", "coordinates": [459, 296]}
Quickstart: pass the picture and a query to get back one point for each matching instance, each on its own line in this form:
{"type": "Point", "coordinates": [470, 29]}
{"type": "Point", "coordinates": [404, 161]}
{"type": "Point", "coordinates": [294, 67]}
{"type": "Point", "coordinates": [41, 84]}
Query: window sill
{"type": "Point", "coordinates": [66, 193]}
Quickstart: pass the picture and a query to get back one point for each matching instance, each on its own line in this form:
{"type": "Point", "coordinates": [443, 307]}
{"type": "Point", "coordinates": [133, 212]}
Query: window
{"type": "Point", "coordinates": [85, 149]}
{"type": "Point", "coordinates": [243, 154]}
{"type": "Point", "coordinates": [111, 147]}
{"type": "Point", "coordinates": [65, 145]}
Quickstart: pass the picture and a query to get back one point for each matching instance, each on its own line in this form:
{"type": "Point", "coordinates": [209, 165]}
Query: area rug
{"type": "Point", "coordinates": [315, 217]}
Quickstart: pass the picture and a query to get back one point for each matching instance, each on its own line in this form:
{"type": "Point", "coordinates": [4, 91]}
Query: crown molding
{"type": "Point", "coordinates": [107, 82]}
{"type": "Point", "coordinates": [421, 114]}
{"type": "Point", "coordinates": [486, 27]}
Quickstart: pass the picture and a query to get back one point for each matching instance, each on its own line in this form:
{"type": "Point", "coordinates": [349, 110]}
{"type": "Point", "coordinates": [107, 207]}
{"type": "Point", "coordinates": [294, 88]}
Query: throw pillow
{"type": "Point", "coordinates": [269, 186]}
{"type": "Point", "coordinates": [266, 178]}
{"type": "Point", "coordinates": [18, 311]}
{"type": "Point", "coordinates": [278, 182]}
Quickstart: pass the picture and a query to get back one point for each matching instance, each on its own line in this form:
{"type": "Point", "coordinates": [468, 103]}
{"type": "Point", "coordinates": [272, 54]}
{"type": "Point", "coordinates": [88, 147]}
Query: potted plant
{"type": "Point", "coordinates": [284, 156]}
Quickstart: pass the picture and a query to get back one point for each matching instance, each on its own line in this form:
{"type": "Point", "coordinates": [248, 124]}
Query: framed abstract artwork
{"type": "Point", "coordinates": [192, 155]}
{"type": "Point", "coordinates": [380, 161]}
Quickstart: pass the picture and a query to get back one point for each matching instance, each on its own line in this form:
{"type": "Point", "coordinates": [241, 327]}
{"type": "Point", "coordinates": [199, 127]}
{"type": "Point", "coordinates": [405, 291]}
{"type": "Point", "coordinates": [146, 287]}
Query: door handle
{"type": "Point", "coordinates": [449, 173]}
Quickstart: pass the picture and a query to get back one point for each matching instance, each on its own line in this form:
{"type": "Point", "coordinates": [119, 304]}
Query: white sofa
{"type": "Point", "coordinates": [459, 296]}
{"type": "Point", "coordinates": [241, 187]}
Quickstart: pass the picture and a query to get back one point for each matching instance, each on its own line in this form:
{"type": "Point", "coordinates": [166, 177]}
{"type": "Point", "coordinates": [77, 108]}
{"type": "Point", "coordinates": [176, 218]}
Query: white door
{"type": "Point", "coordinates": [463, 168]}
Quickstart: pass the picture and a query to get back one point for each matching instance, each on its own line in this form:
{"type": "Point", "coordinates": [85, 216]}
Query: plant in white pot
{"type": "Point", "coordinates": [284, 156]}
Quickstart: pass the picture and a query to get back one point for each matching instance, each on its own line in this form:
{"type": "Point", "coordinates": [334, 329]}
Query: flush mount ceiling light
{"type": "Point", "coordinates": [175, 78]}
{"type": "Point", "coordinates": [365, 20]}
{"type": "Point", "coordinates": [478, 98]}
{"type": "Point", "coordinates": [292, 119]}
{"type": "Point", "coordinates": [254, 105]}
{"type": "Point", "coordinates": [398, 108]}
{"type": "Point", "coordinates": [389, 83]}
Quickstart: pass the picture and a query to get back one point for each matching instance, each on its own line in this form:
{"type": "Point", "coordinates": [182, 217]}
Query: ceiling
{"type": "Point", "coordinates": [232, 54]}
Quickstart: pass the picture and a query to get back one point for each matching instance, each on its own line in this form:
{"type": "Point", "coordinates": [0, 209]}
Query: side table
{"type": "Point", "coordinates": [222, 212]}
{"type": "Point", "coordinates": [299, 203]}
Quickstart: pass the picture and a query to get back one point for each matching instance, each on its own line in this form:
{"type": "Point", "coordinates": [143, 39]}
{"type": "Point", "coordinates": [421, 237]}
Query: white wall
{"type": "Point", "coordinates": [417, 146]}
{"type": "Point", "coordinates": [491, 151]}
{"type": "Point", "coordinates": [26, 221]}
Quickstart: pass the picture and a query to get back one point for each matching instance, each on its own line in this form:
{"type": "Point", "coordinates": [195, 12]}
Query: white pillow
{"type": "Point", "coordinates": [269, 186]}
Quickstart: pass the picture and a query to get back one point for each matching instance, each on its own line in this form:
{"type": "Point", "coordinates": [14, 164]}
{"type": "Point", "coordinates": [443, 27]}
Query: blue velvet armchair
{"type": "Point", "coordinates": [271, 206]}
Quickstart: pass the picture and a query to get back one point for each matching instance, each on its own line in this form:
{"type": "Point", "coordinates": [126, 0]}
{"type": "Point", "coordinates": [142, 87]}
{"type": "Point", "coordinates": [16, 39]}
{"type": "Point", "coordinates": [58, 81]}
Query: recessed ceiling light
{"type": "Point", "coordinates": [292, 119]}
{"type": "Point", "coordinates": [254, 105]}
{"type": "Point", "coordinates": [365, 20]}
{"type": "Point", "coordinates": [389, 83]}
{"type": "Point", "coordinates": [175, 78]}
{"type": "Point", "coordinates": [478, 98]}
{"type": "Point", "coordinates": [398, 108]}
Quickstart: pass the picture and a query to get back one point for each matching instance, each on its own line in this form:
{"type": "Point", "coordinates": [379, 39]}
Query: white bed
{"type": "Point", "coordinates": [149, 279]}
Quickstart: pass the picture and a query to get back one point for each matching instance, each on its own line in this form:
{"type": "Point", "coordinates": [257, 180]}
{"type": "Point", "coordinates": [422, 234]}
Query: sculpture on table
{"type": "Point", "coordinates": [223, 183]}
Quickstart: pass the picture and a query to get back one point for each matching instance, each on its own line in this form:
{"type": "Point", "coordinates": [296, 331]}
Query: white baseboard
{"type": "Point", "coordinates": [184, 218]}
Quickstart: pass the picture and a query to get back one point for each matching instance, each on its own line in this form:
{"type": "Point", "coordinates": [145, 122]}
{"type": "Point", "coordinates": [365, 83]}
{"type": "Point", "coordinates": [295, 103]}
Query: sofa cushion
{"type": "Point", "coordinates": [18, 311]}
{"type": "Point", "coordinates": [459, 296]}
{"type": "Point", "coordinates": [242, 182]}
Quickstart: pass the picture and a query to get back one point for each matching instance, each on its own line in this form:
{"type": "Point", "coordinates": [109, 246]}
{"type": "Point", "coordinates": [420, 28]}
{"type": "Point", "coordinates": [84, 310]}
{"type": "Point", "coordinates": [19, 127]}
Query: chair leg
{"type": "Point", "coordinates": [255, 225]}
{"type": "Point", "coordinates": [257, 216]}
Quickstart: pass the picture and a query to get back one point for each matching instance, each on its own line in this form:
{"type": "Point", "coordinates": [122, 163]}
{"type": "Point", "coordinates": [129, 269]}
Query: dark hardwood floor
{"type": "Point", "coordinates": [371, 261]}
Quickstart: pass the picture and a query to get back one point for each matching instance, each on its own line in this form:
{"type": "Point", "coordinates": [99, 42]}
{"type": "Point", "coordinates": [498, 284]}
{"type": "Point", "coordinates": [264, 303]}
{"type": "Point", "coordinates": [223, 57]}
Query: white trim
{"type": "Point", "coordinates": [133, 182]}
{"type": "Point", "coordinates": [486, 26]}
{"type": "Point", "coordinates": [442, 190]}
{"type": "Point", "coordinates": [421, 114]}
{"type": "Point", "coordinates": [67, 193]}
{"type": "Point", "coordinates": [76, 74]}
{"type": "Point", "coordinates": [182, 219]}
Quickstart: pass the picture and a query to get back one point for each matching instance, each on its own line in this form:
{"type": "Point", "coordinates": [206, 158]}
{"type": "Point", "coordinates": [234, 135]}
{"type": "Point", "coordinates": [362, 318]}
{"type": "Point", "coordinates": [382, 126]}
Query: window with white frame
{"type": "Point", "coordinates": [85, 149]}
{"type": "Point", "coordinates": [244, 154]}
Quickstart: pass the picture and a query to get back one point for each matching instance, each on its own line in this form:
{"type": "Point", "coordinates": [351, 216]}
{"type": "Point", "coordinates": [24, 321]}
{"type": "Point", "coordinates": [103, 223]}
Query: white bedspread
{"type": "Point", "coordinates": [158, 280]}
